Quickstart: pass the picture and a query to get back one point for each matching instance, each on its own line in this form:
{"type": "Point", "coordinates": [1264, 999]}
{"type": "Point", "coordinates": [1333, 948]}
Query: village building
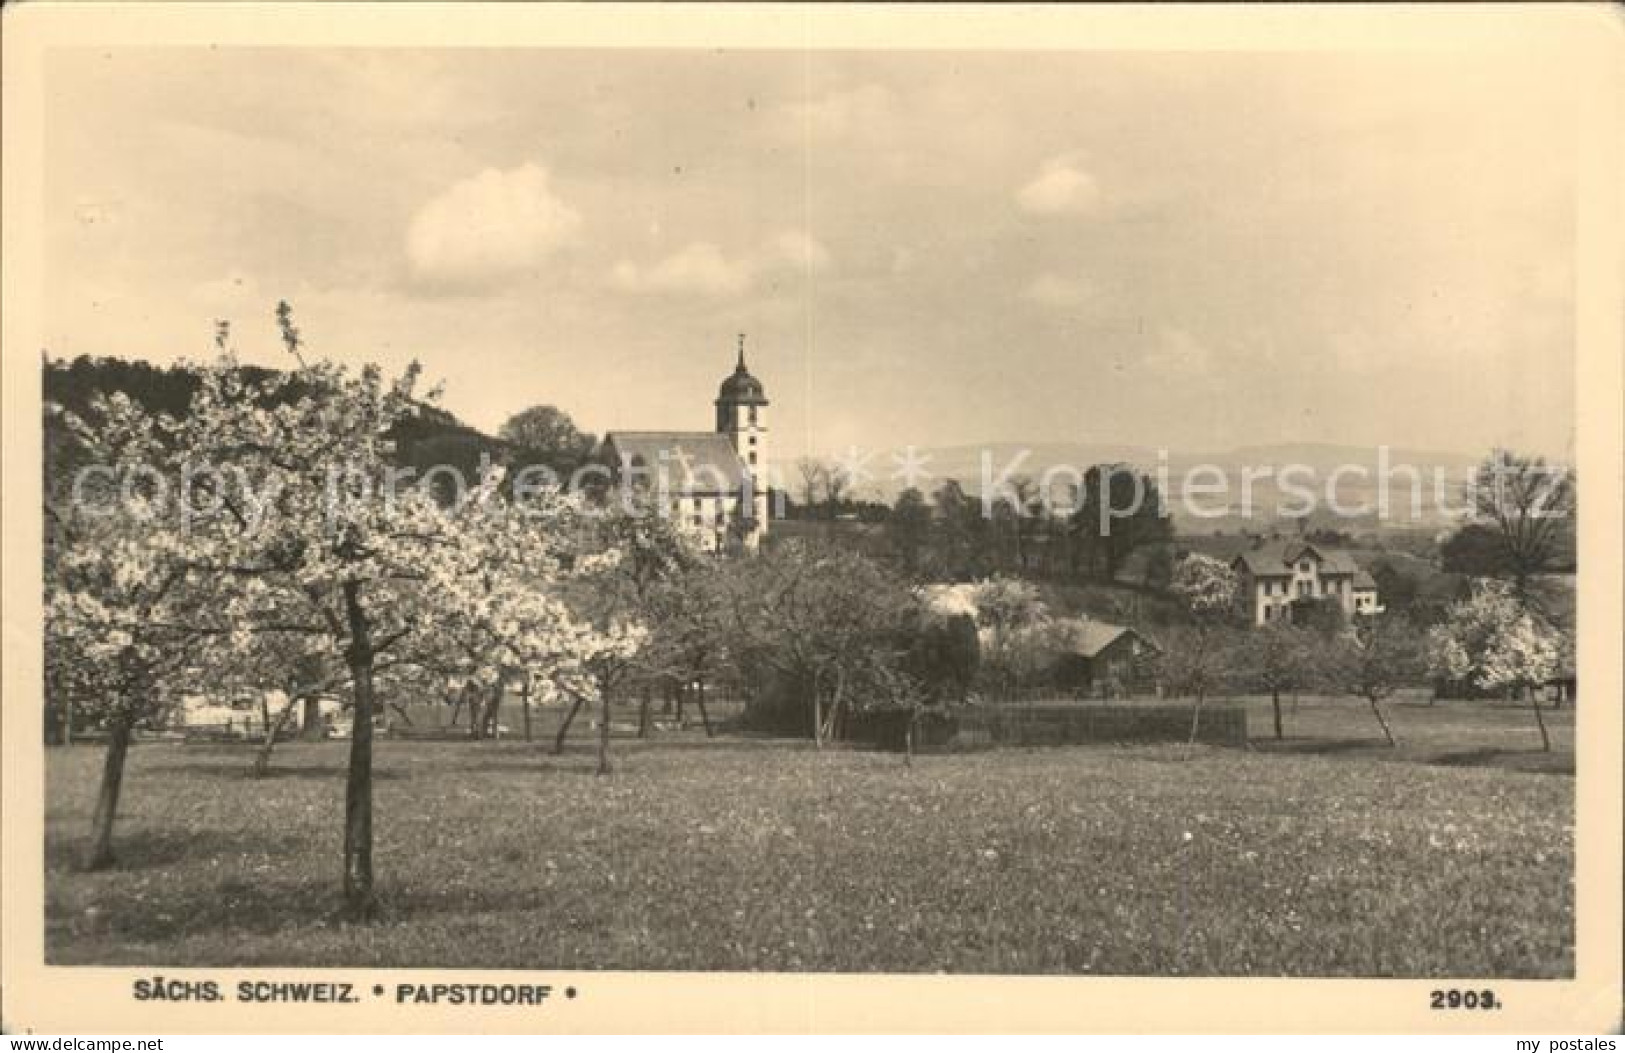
{"type": "Point", "coordinates": [1107, 660]}
{"type": "Point", "coordinates": [714, 484]}
{"type": "Point", "coordinates": [1276, 574]}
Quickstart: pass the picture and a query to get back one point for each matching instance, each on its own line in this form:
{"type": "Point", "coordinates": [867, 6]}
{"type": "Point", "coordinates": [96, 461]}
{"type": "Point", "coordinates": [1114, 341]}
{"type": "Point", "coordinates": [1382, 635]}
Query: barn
{"type": "Point", "coordinates": [1106, 660]}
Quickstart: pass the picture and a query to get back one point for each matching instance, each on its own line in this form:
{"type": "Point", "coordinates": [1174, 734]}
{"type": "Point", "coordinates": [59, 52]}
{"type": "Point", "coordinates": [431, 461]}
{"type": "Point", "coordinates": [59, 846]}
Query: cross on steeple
{"type": "Point", "coordinates": [741, 350]}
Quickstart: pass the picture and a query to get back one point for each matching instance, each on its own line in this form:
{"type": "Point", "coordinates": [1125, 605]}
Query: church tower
{"type": "Point", "coordinates": [741, 405]}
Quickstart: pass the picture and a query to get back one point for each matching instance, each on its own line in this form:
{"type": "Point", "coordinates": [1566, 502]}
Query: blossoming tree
{"type": "Point", "coordinates": [1196, 660]}
{"type": "Point", "coordinates": [289, 513]}
{"type": "Point", "coordinates": [124, 630]}
{"type": "Point", "coordinates": [1496, 643]}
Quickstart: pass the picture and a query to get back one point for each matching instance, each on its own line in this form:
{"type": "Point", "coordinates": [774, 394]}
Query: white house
{"type": "Point", "coordinates": [243, 715]}
{"type": "Point", "coordinates": [1274, 574]}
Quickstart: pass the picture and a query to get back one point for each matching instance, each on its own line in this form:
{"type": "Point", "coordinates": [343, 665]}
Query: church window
{"type": "Point", "coordinates": [753, 415]}
{"type": "Point", "coordinates": [753, 458]}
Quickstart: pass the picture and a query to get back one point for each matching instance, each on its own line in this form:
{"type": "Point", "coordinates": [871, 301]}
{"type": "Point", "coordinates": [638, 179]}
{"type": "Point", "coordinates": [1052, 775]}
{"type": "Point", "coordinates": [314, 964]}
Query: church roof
{"type": "Point", "coordinates": [696, 462]}
{"type": "Point", "coordinates": [740, 386]}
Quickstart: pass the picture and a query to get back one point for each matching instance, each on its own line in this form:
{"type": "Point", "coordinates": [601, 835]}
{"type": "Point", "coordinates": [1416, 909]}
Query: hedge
{"type": "Point", "coordinates": [1057, 724]}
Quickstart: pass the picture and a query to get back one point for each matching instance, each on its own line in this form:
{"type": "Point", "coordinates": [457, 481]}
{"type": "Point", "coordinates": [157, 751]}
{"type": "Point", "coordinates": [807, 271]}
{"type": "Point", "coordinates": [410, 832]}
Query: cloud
{"type": "Point", "coordinates": [802, 251]}
{"type": "Point", "coordinates": [1061, 188]}
{"type": "Point", "coordinates": [489, 228]}
{"type": "Point", "coordinates": [704, 269]}
{"type": "Point", "coordinates": [1178, 352]}
{"type": "Point", "coordinates": [700, 267]}
{"type": "Point", "coordinates": [1058, 291]}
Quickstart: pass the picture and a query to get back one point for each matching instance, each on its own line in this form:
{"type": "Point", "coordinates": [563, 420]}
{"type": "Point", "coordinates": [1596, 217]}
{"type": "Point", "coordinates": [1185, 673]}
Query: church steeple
{"type": "Point", "coordinates": [738, 389]}
{"type": "Point", "coordinates": [740, 403]}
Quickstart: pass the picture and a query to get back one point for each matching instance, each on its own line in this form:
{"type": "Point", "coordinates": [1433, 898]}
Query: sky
{"type": "Point", "coordinates": [1196, 251]}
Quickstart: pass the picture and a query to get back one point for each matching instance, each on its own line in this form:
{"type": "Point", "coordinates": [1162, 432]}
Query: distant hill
{"type": "Point", "coordinates": [432, 437]}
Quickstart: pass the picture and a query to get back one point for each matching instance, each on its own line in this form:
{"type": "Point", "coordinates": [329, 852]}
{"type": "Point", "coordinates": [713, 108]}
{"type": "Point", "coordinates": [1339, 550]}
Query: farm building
{"type": "Point", "coordinates": [1105, 659]}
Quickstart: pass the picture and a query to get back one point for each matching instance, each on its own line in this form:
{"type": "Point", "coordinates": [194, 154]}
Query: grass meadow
{"type": "Point", "coordinates": [1323, 855]}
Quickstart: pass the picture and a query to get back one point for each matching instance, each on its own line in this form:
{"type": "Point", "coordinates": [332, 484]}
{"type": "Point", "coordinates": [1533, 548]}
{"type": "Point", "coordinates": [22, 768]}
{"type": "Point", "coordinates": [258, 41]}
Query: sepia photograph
{"type": "Point", "coordinates": [969, 510]}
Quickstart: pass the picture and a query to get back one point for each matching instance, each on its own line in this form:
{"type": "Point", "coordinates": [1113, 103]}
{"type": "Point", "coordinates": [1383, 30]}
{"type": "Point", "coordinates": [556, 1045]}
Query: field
{"type": "Point", "coordinates": [1323, 855]}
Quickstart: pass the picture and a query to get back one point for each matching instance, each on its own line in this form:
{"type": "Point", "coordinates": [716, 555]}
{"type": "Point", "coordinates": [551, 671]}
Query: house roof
{"type": "Point", "coordinates": [1363, 580]}
{"type": "Point", "coordinates": [695, 462]}
{"type": "Point", "coordinates": [1274, 559]}
{"type": "Point", "coordinates": [1091, 637]}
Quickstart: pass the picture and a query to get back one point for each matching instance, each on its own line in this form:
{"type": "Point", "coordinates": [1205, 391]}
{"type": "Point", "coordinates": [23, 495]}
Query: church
{"type": "Point", "coordinates": [713, 483]}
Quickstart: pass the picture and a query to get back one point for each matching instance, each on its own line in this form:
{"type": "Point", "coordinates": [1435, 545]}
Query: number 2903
{"type": "Point", "coordinates": [1458, 999]}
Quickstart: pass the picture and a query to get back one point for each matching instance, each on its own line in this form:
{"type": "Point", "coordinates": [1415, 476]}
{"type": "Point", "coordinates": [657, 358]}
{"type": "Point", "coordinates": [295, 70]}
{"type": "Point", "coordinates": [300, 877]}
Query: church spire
{"type": "Point", "coordinates": [741, 351]}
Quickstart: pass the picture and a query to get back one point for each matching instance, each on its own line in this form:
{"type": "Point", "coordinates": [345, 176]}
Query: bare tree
{"type": "Point", "coordinates": [814, 481]}
{"type": "Point", "coordinates": [1530, 504]}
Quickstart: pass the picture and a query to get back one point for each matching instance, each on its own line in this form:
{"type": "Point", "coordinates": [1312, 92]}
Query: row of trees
{"type": "Point", "coordinates": [954, 535]}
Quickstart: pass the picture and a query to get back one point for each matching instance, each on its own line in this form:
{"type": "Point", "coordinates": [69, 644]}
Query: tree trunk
{"type": "Point", "coordinates": [1387, 732]}
{"type": "Point", "coordinates": [603, 732]}
{"type": "Point", "coordinates": [818, 714]}
{"type": "Point", "coordinates": [311, 721]}
{"type": "Point", "coordinates": [1275, 700]}
{"type": "Point", "coordinates": [644, 703]}
{"type": "Point", "coordinates": [359, 898]}
{"type": "Point", "coordinates": [699, 700]}
{"type": "Point", "coordinates": [524, 699]}
{"type": "Point", "coordinates": [564, 726]}
{"type": "Point", "coordinates": [262, 759]}
{"type": "Point", "coordinates": [1196, 723]}
{"type": "Point", "coordinates": [100, 855]}
{"type": "Point", "coordinates": [908, 738]}
{"type": "Point", "coordinates": [476, 713]}
{"type": "Point", "coordinates": [831, 725]}
{"type": "Point", "coordinates": [1545, 737]}
{"type": "Point", "coordinates": [493, 709]}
